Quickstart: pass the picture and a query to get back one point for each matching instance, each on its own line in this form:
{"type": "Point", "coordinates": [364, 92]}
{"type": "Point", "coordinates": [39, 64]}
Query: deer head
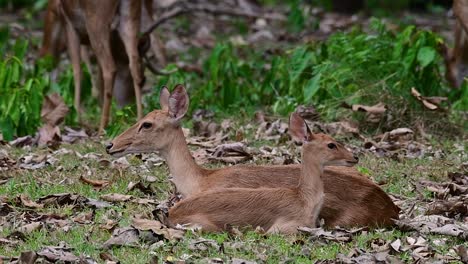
{"type": "Point", "coordinates": [330, 151]}
{"type": "Point", "coordinates": [158, 129]}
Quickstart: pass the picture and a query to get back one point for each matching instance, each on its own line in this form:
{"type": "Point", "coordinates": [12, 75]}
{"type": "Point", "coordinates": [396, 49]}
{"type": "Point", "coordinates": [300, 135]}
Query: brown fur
{"type": "Point", "coordinates": [456, 59]}
{"type": "Point", "coordinates": [110, 28]}
{"type": "Point", "coordinates": [279, 209]}
{"type": "Point", "coordinates": [350, 198]}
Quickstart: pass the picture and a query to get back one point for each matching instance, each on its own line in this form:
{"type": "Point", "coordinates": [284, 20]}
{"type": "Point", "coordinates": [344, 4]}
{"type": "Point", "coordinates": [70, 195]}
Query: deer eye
{"type": "Point", "coordinates": [146, 125]}
{"type": "Point", "coordinates": [331, 146]}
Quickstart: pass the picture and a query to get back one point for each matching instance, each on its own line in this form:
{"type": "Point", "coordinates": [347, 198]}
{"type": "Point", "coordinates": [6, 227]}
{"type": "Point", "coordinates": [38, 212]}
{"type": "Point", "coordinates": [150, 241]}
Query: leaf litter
{"type": "Point", "coordinates": [445, 215]}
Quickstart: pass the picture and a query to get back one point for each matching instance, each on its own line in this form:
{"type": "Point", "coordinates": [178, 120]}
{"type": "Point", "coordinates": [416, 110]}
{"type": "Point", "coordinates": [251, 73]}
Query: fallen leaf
{"type": "Point", "coordinates": [49, 135]}
{"type": "Point", "coordinates": [373, 113]}
{"type": "Point", "coordinates": [84, 218]}
{"type": "Point", "coordinates": [202, 244]}
{"type": "Point", "coordinates": [122, 237]}
{"type": "Point", "coordinates": [99, 184]}
{"type": "Point", "coordinates": [29, 228]}
{"type": "Point", "coordinates": [26, 201]}
{"type": "Point", "coordinates": [53, 109]}
{"type": "Point", "coordinates": [23, 141]}
{"type": "Point", "coordinates": [147, 224]}
{"type": "Point", "coordinates": [396, 245]}
{"type": "Point", "coordinates": [116, 197]}
{"type": "Point", "coordinates": [28, 257]}
{"type": "Point", "coordinates": [72, 136]}
{"type": "Point", "coordinates": [241, 261]}
{"type": "Point", "coordinates": [338, 235]}
{"type": "Point", "coordinates": [431, 103]}
{"type": "Point", "coordinates": [57, 254]}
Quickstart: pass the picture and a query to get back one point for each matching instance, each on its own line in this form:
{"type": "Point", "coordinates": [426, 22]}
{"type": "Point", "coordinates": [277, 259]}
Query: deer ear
{"type": "Point", "coordinates": [298, 129]}
{"type": "Point", "coordinates": [178, 102]}
{"type": "Point", "coordinates": [164, 98]}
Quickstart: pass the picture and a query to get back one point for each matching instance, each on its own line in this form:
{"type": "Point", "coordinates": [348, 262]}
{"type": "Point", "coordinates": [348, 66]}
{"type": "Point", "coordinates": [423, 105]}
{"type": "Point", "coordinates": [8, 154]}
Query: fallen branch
{"type": "Point", "coordinates": [183, 8]}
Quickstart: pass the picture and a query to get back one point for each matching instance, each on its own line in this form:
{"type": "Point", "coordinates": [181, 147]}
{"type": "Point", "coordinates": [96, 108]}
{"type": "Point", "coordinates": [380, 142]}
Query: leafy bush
{"type": "Point", "coordinates": [355, 67]}
{"type": "Point", "coordinates": [21, 91]}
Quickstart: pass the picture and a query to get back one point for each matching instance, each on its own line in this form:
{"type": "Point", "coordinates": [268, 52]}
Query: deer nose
{"type": "Point", "coordinates": [109, 146]}
{"type": "Point", "coordinates": [356, 157]}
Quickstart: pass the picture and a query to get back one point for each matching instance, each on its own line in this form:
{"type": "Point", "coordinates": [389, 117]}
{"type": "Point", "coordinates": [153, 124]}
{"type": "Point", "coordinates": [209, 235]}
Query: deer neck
{"type": "Point", "coordinates": [186, 174]}
{"type": "Point", "coordinates": [310, 184]}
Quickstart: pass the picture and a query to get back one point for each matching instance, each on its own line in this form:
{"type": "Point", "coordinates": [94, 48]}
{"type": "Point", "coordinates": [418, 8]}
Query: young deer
{"type": "Point", "coordinates": [110, 28]}
{"type": "Point", "coordinates": [280, 209]}
{"type": "Point", "coordinates": [350, 198]}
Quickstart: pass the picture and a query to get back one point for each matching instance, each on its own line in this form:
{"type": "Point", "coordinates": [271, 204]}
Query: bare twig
{"type": "Point", "coordinates": [183, 8]}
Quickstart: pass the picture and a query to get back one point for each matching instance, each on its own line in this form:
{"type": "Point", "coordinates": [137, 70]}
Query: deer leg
{"type": "Point", "coordinates": [74, 52]}
{"type": "Point", "coordinates": [129, 28]}
{"type": "Point", "coordinates": [100, 41]}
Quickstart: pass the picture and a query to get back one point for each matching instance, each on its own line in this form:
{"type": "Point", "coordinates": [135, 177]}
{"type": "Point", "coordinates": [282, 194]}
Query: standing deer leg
{"type": "Point", "coordinates": [129, 28]}
{"type": "Point", "coordinates": [74, 50]}
{"type": "Point", "coordinates": [100, 41]}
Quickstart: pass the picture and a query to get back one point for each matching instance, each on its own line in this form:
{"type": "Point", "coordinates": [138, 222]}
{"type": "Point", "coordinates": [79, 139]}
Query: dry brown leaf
{"type": "Point", "coordinates": [72, 136]}
{"type": "Point", "coordinates": [28, 228]}
{"type": "Point", "coordinates": [431, 103]}
{"type": "Point", "coordinates": [28, 257]}
{"type": "Point", "coordinates": [109, 224]}
{"type": "Point", "coordinates": [241, 261]}
{"type": "Point", "coordinates": [6, 163]}
{"type": "Point", "coordinates": [48, 135]}
{"type": "Point", "coordinates": [53, 110]}
{"type": "Point", "coordinates": [84, 218]}
{"type": "Point", "coordinates": [116, 197]}
{"type": "Point", "coordinates": [147, 224]}
{"type": "Point", "coordinates": [99, 184]}
{"type": "Point", "coordinates": [23, 141]}
{"type": "Point", "coordinates": [396, 245]}
{"type": "Point", "coordinates": [5, 209]}
{"type": "Point", "coordinates": [343, 128]}
{"type": "Point", "coordinates": [338, 235]}
{"type": "Point", "coordinates": [230, 153]}
{"type": "Point", "coordinates": [373, 113]}
{"type": "Point", "coordinates": [55, 254]}
{"type": "Point", "coordinates": [122, 237]}
{"type": "Point", "coordinates": [27, 202]}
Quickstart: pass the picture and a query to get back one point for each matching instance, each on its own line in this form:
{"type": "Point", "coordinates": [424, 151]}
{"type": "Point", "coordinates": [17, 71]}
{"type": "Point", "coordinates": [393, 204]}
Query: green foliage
{"type": "Point", "coordinates": [350, 68]}
{"type": "Point", "coordinates": [122, 119]}
{"type": "Point", "coordinates": [23, 86]}
{"type": "Point", "coordinates": [21, 91]}
{"type": "Point", "coordinates": [35, 4]}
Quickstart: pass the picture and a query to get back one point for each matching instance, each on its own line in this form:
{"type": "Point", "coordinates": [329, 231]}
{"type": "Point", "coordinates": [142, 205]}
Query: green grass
{"type": "Point", "coordinates": [87, 239]}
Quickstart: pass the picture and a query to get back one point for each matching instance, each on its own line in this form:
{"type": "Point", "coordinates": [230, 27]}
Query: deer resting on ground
{"type": "Point", "coordinates": [351, 199]}
{"type": "Point", "coordinates": [275, 210]}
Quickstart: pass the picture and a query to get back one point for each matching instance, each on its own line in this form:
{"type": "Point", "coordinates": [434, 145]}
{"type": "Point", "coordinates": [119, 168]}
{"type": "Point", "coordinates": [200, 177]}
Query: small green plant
{"type": "Point", "coordinates": [21, 92]}
{"type": "Point", "coordinates": [351, 68]}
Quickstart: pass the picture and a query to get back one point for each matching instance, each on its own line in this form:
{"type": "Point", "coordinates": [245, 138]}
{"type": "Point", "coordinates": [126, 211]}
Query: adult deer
{"type": "Point", "coordinates": [276, 210]}
{"type": "Point", "coordinates": [456, 59]}
{"type": "Point", "coordinates": [110, 28]}
{"type": "Point", "coordinates": [350, 198]}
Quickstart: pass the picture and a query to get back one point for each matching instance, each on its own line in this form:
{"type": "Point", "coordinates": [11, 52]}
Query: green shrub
{"type": "Point", "coordinates": [21, 91]}
{"type": "Point", "coordinates": [355, 67]}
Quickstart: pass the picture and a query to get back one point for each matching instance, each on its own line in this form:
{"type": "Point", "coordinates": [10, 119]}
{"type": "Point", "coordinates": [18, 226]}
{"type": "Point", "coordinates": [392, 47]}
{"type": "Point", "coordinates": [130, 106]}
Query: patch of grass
{"type": "Point", "coordinates": [87, 239]}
